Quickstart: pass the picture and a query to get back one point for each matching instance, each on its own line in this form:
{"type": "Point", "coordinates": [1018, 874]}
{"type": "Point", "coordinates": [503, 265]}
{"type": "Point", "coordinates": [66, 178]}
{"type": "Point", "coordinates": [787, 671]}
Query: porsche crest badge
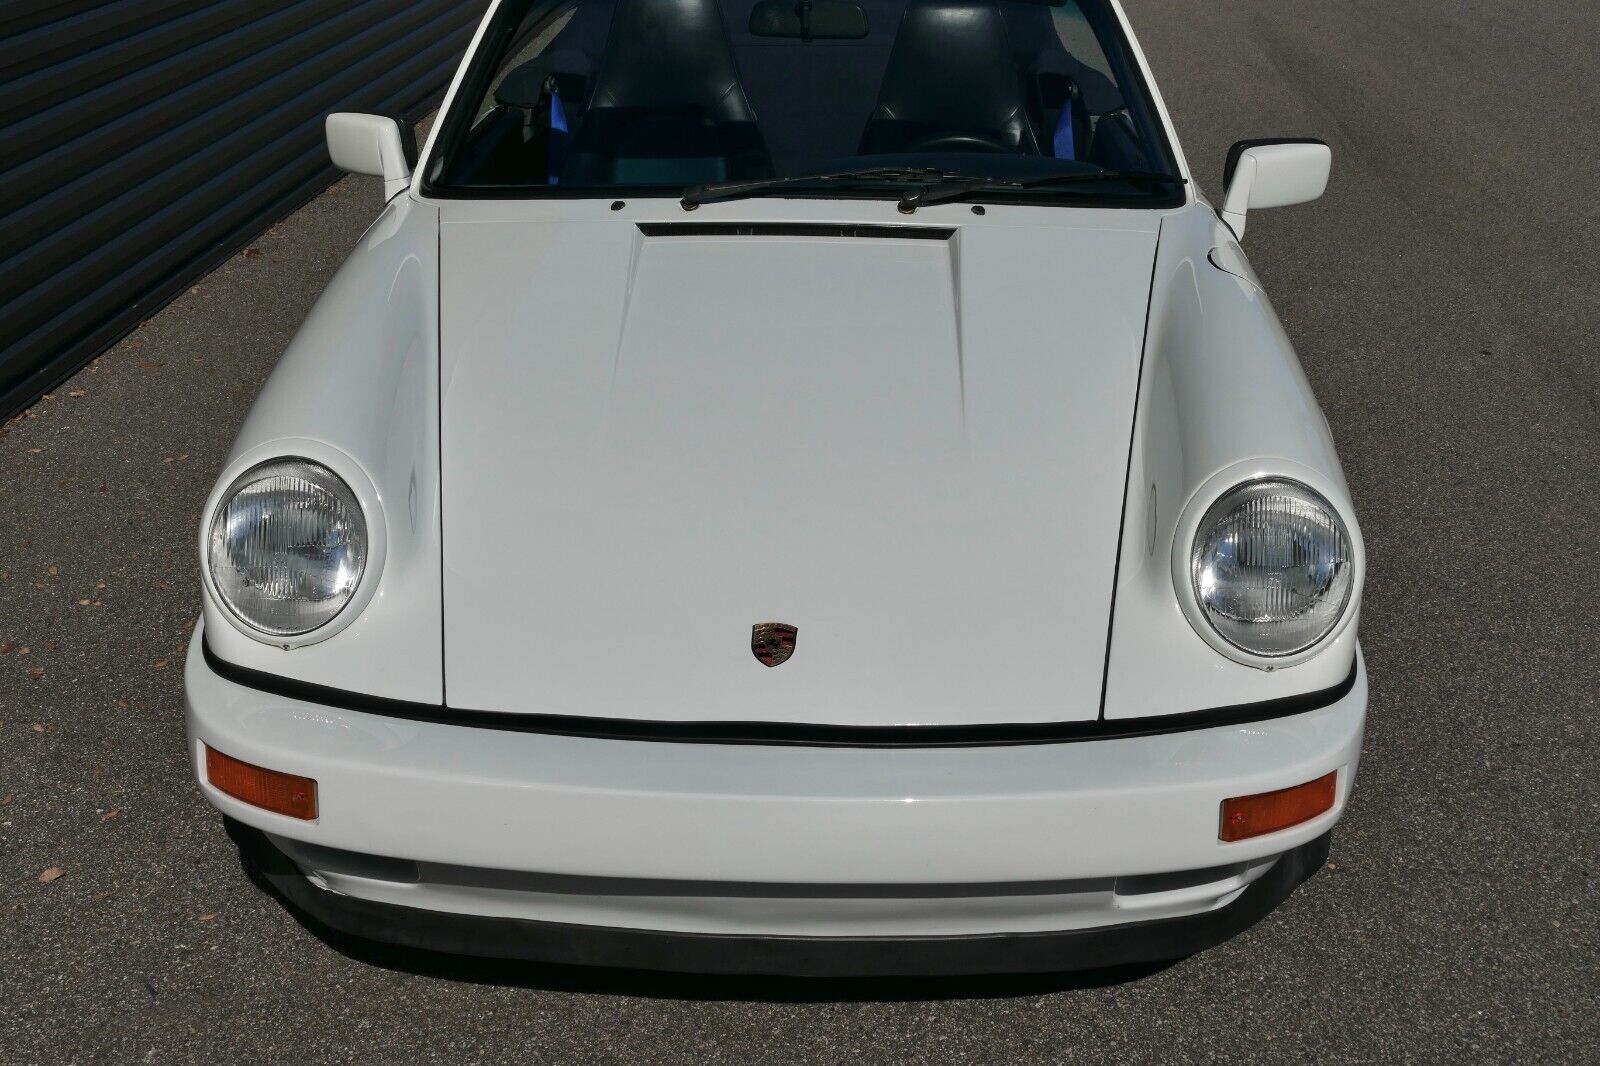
{"type": "Point", "coordinates": [772, 642]}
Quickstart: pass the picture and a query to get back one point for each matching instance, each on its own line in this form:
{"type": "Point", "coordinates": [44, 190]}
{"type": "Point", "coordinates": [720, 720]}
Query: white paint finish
{"type": "Point", "coordinates": [1221, 388]}
{"type": "Point", "coordinates": [358, 391]}
{"type": "Point", "coordinates": [369, 144]}
{"type": "Point", "coordinates": [1229, 258]}
{"type": "Point", "coordinates": [788, 815]}
{"type": "Point", "coordinates": [1276, 175]}
{"type": "Point", "coordinates": [912, 450]}
{"type": "Point", "coordinates": [1222, 392]}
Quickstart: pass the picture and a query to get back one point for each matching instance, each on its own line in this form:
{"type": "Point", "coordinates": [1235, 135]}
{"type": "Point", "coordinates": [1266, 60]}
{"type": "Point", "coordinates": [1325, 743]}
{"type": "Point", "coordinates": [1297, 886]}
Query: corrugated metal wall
{"type": "Point", "coordinates": [143, 141]}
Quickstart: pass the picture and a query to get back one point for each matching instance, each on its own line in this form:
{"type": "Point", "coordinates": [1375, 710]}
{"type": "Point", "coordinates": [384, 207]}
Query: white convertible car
{"type": "Point", "coordinates": [796, 486]}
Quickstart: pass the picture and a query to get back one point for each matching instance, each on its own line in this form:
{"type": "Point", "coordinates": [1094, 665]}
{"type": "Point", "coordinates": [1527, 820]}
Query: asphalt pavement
{"type": "Point", "coordinates": [1443, 298]}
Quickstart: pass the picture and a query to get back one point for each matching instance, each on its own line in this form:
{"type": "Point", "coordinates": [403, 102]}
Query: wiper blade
{"type": "Point", "coordinates": [947, 192]}
{"type": "Point", "coordinates": [696, 195]}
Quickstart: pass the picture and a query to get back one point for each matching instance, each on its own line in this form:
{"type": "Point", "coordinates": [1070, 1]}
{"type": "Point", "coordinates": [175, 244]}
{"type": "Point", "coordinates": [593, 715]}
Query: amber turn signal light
{"type": "Point", "coordinates": [256, 785]}
{"type": "Point", "coordinates": [1244, 817]}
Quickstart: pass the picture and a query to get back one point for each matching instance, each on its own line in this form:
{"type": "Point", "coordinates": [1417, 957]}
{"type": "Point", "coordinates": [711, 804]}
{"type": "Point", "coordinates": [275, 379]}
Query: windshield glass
{"type": "Point", "coordinates": [595, 97]}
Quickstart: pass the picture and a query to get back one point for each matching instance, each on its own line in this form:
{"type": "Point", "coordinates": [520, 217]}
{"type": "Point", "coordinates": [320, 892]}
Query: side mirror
{"type": "Point", "coordinates": [1273, 173]}
{"type": "Point", "coordinates": [373, 144]}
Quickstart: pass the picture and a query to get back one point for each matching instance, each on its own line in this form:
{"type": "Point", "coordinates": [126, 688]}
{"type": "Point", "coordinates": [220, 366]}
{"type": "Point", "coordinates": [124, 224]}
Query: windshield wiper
{"type": "Point", "coordinates": [934, 184]}
{"type": "Point", "coordinates": [959, 189]}
{"type": "Point", "coordinates": [695, 195]}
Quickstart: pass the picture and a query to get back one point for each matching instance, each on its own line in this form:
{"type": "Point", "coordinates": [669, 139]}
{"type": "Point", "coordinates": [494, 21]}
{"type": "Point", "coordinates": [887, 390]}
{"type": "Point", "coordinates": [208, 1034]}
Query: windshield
{"type": "Point", "coordinates": [599, 97]}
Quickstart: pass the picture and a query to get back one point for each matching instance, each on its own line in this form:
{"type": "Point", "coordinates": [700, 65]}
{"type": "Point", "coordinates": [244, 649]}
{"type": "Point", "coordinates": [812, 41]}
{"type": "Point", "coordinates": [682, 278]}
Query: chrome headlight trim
{"type": "Point", "coordinates": [247, 469]}
{"type": "Point", "coordinates": [1211, 502]}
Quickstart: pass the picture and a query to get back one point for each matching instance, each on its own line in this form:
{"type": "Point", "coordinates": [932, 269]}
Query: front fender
{"type": "Point", "coordinates": [1222, 399]}
{"type": "Point", "coordinates": [358, 390]}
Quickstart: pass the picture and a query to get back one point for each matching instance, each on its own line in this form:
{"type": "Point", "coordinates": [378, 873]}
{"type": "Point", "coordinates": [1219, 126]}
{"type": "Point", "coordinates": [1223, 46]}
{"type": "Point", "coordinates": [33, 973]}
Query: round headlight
{"type": "Point", "coordinates": [288, 545]}
{"type": "Point", "coordinates": [1272, 567]}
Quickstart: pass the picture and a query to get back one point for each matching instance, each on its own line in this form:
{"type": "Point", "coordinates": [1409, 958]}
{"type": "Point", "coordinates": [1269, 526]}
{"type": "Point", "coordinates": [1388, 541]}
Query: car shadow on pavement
{"type": "Point", "coordinates": [649, 984]}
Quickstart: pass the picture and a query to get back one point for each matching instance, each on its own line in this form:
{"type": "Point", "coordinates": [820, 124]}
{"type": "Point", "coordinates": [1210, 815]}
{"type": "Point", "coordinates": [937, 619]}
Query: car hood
{"type": "Point", "coordinates": [913, 450]}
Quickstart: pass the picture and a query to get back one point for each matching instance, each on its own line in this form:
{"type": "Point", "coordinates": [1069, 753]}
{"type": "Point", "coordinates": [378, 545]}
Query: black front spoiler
{"type": "Point", "coordinates": [717, 953]}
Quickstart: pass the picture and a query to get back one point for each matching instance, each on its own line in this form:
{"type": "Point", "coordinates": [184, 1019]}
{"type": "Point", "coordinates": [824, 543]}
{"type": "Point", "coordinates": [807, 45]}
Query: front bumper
{"type": "Point", "coordinates": [795, 956]}
{"type": "Point", "coordinates": [640, 853]}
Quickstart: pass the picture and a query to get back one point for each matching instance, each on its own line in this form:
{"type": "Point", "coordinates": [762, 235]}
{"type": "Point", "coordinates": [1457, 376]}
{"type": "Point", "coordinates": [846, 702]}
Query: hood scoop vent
{"type": "Point", "coordinates": [794, 229]}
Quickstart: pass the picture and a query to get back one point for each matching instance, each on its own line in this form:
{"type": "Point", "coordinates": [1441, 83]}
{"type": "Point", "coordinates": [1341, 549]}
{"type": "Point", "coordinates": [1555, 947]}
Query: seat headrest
{"type": "Point", "coordinates": [664, 54]}
{"type": "Point", "coordinates": [952, 66]}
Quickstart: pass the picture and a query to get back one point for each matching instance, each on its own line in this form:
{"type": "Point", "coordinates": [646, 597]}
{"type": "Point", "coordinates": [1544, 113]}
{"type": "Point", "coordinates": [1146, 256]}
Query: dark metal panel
{"type": "Point", "coordinates": [17, 16]}
{"type": "Point", "coordinates": [79, 259]}
{"type": "Point", "coordinates": [69, 79]}
{"type": "Point", "coordinates": [199, 79]}
{"type": "Point", "coordinates": [57, 39]}
{"type": "Point", "coordinates": [175, 127]}
{"type": "Point", "coordinates": [155, 137]}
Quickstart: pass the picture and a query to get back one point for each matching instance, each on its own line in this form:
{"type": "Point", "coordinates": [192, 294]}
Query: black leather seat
{"type": "Point", "coordinates": [666, 107]}
{"type": "Point", "coordinates": [953, 84]}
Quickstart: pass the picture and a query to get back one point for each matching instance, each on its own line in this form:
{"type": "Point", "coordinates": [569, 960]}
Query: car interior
{"type": "Point", "coordinates": [603, 93]}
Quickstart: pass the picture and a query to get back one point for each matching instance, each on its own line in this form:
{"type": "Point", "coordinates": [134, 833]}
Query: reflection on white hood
{"type": "Point", "coordinates": [913, 450]}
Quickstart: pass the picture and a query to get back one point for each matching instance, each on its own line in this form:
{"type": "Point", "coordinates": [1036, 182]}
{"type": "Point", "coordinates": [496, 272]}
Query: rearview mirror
{"type": "Point", "coordinates": [1274, 173]}
{"type": "Point", "coordinates": [826, 20]}
{"type": "Point", "coordinates": [373, 144]}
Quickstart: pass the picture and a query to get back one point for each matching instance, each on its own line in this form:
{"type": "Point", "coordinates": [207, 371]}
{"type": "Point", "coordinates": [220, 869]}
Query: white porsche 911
{"type": "Point", "coordinates": [789, 486]}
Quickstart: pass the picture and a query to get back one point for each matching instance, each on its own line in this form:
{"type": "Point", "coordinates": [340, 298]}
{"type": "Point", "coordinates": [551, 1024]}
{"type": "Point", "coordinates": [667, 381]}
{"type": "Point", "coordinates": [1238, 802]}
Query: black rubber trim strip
{"type": "Point", "coordinates": [794, 229]}
{"type": "Point", "coordinates": [793, 956]}
{"type": "Point", "coordinates": [1127, 468]}
{"type": "Point", "coordinates": [794, 734]}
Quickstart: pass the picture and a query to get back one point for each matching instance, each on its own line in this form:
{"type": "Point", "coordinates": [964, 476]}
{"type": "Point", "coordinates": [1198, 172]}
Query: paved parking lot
{"type": "Point", "coordinates": [1443, 298]}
